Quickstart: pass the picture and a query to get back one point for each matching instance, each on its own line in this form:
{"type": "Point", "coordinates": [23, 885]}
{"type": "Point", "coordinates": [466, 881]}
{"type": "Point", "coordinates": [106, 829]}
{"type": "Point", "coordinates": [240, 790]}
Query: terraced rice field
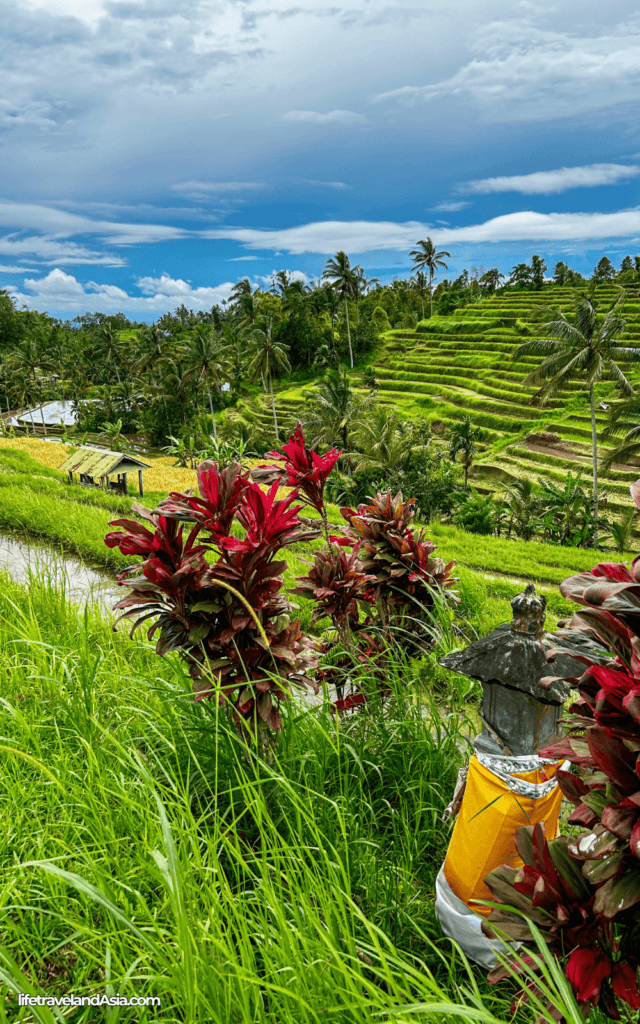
{"type": "Point", "coordinates": [463, 363]}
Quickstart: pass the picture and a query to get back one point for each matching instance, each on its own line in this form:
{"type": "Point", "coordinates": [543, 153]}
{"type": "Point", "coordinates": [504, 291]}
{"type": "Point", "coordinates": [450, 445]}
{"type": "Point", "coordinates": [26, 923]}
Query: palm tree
{"type": "Point", "coordinates": [152, 342]}
{"type": "Point", "coordinates": [585, 349]}
{"type": "Point", "coordinates": [382, 440]}
{"type": "Point", "coordinates": [332, 301]}
{"type": "Point", "coordinates": [523, 503]}
{"type": "Point", "coordinates": [361, 286]}
{"type": "Point", "coordinates": [266, 355]}
{"type": "Point", "coordinates": [491, 279]}
{"type": "Point", "coordinates": [464, 437]}
{"type": "Point", "coordinates": [334, 409]}
{"type": "Point", "coordinates": [207, 363]}
{"type": "Point", "coordinates": [340, 274]}
{"type": "Point", "coordinates": [421, 285]}
{"type": "Point", "coordinates": [28, 359]}
{"type": "Point", "coordinates": [109, 346]}
{"type": "Point", "coordinates": [426, 257]}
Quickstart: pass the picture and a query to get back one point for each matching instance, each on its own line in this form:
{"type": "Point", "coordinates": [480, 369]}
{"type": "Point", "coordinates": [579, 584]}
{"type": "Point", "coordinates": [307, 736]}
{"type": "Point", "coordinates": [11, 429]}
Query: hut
{"type": "Point", "coordinates": [93, 464]}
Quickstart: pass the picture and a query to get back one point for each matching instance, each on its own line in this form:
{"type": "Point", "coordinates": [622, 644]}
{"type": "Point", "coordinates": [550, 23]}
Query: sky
{"type": "Point", "coordinates": [154, 153]}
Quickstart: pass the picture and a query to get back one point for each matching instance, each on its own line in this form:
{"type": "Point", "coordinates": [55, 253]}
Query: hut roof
{"type": "Point", "coordinates": [101, 462]}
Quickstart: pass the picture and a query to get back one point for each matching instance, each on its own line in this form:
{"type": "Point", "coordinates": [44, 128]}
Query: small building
{"type": "Point", "coordinates": [99, 464]}
{"type": "Point", "coordinates": [50, 414]}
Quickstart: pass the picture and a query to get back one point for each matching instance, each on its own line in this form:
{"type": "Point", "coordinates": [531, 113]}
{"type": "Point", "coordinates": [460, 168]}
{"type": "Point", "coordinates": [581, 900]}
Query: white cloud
{"type": "Point", "coordinates": [206, 188]}
{"type": "Point", "coordinates": [524, 72]}
{"type": "Point", "coordinates": [41, 231]}
{"type": "Point", "coordinates": [331, 117]}
{"type": "Point", "coordinates": [451, 207]}
{"type": "Point", "coordinates": [62, 292]}
{"type": "Point", "coordinates": [545, 182]}
{"type": "Point", "coordinates": [328, 237]}
{"type": "Point", "coordinates": [327, 184]}
{"type": "Point", "coordinates": [13, 270]}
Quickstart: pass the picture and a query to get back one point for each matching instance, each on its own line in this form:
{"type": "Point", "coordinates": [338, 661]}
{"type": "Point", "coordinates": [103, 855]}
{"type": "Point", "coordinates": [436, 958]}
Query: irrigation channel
{"type": "Point", "coordinates": [23, 559]}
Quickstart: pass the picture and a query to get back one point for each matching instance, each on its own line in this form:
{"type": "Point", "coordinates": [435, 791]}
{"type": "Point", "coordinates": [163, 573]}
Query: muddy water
{"type": "Point", "coordinates": [23, 559]}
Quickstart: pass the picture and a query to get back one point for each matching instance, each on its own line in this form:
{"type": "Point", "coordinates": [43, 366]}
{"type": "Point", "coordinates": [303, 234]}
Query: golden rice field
{"type": "Point", "coordinates": [162, 476]}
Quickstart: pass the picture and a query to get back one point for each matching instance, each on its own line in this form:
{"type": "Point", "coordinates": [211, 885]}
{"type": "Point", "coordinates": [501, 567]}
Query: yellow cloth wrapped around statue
{"type": "Point", "coordinates": [500, 796]}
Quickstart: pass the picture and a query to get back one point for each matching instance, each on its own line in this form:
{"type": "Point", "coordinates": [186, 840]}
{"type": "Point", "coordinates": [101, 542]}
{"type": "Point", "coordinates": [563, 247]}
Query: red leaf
{"type": "Point", "coordinates": [634, 841]}
{"type": "Point", "coordinates": [625, 984]}
{"type": "Point", "coordinates": [585, 970]}
{"type": "Point", "coordinates": [613, 571]}
{"type": "Point", "coordinates": [352, 701]}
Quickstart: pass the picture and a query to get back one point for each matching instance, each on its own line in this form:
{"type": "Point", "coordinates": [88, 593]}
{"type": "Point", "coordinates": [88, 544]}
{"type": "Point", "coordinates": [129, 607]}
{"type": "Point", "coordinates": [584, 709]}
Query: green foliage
{"type": "Point", "coordinates": [476, 513]}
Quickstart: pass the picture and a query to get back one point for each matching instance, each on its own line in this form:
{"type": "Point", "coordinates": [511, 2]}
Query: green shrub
{"type": "Point", "coordinates": [476, 514]}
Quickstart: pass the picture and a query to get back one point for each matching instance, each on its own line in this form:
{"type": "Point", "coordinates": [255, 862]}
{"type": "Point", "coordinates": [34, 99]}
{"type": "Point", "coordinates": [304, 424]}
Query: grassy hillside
{"type": "Point", "coordinates": [462, 363]}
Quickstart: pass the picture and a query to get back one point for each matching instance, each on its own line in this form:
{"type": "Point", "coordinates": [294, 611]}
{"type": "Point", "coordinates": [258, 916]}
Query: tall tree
{"type": "Point", "coordinates": [340, 274]}
{"type": "Point", "coordinates": [421, 285]}
{"type": "Point", "coordinates": [334, 410]}
{"type": "Point", "coordinates": [538, 268]}
{"type": "Point", "coordinates": [267, 356]}
{"type": "Point", "coordinates": [110, 347]}
{"type": "Point", "coordinates": [521, 275]}
{"type": "Point", "coordinates": [207, 363]}
{"type": "Point", "coordinates": [151, 346]}
{"type": "Point", "coordinates": [491, 279]}
{"type": "Point", "coordinates": [464, 438]}
{"type": "Point", "coordinates": [425, 257]}
{"type": "Point", "coordinates": [585, 348]}
{"type": "Point", "coordinates": [604, 270]}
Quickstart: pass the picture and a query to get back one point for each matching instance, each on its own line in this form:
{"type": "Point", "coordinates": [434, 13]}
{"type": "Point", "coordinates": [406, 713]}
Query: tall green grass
{"type": "Point", "coordinates": [142, 853]}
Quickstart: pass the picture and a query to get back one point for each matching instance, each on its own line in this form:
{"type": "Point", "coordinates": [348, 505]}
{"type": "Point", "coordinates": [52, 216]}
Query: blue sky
{"type": "Point", "coordinates": [153, 153]}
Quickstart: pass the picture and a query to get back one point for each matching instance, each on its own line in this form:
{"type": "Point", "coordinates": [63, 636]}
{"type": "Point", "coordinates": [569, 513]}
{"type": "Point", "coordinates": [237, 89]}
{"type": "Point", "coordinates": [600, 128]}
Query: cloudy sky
{"type": "Point", "coordinates": [154, 152]}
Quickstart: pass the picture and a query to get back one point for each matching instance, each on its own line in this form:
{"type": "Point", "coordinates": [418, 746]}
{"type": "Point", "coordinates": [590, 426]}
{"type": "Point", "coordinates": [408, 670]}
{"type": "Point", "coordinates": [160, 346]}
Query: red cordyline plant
{"type": "Point", "coordinates": [225, 613]}
{"type": "Point", "coordinates": [405, 577]}
{"type": "Point", "coordinates": [603, 744]}
{"type": "Point", "coordinates": [303, 469]}
{"type": "Point", "coordinates": [390, 571]}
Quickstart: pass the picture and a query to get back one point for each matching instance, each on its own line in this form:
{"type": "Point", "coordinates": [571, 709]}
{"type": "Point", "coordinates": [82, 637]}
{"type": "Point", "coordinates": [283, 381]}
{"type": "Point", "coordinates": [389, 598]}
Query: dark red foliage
{"type": "Point", "coordinates": [301, 468]}
{"type": "Point", "coordinates": [220, 603]}
{"type": "Point", "coordinates": [603, 744]}
{"type": "Point", "coordinates": [354, 700]}
{"type": "Point", "coordinates": [554, 893]}
{"type": "Point", "coordinates": [336, 583]}
{"type": "Point", "coordinates": [221, 493]}
{"type": "Point", "coordinates": [405, 576]}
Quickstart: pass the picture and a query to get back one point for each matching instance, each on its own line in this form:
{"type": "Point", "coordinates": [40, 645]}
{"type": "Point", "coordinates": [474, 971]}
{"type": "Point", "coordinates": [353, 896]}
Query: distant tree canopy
{"type": "Point", "coordinates": [172, 377]}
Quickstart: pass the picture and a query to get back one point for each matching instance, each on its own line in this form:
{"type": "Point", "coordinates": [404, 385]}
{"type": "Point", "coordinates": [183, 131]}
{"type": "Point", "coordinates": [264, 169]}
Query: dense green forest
{"type": "Point", "coordinates": [426, 384]}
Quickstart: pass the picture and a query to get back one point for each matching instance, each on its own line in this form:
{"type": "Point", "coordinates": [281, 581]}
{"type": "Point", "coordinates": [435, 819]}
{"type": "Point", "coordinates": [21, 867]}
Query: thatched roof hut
{"type": "Point", "coordinates": [99, 464]}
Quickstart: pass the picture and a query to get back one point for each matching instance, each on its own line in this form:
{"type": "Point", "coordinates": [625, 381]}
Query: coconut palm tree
{"type": "Point", "coordinates": [421, 285]}
{"type": "Point", "coordinates": [267, 356]}
{"type": "Point", "coordinates": [28, 360]}
{"type": "Point", "coordinates": [464, 437]}
{"type": "Point", "coordinates": [109, 347]}
{"type": "Point", "coordinates": [340, 274]}
{"type": "Point", "coordinates": [151, 346]}
{"type": "Point", "coordinates": [332, 302]}
{"type": "Point", "coordinates": [334, 410]}
{"type": "Point", "coordinates": [425, 257]}
{"type": "Point", "coordinates": [624, 419]}
{"type": "Point", "coordinates": [382, 440]}
{"type": "Point", "coordinates": [206, 358]}
{"type": "Point", "coordinates": [361, 286]}
{"type": "Point", "coordinates": [585, 349]}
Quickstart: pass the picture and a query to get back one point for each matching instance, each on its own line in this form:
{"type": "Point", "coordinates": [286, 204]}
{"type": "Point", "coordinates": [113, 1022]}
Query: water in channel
{"type": "Point", "coordinates": [23, 559]}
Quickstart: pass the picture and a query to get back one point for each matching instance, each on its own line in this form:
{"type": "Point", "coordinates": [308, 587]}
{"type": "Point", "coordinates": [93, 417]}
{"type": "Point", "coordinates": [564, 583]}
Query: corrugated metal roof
{"type": "Point", "coordinates": [96, 462]}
